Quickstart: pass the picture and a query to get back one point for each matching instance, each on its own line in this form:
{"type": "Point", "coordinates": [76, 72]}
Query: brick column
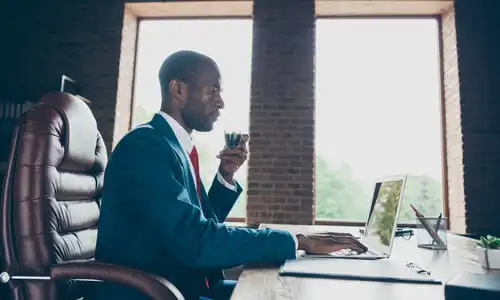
{"type": "Point", "coordinates": [475, 107]}
{"type": "Point", "coordinates": [281, 164]}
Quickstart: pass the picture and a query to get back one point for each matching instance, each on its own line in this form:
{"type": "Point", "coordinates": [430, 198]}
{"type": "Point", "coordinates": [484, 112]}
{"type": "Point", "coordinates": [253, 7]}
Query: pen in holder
{"type": "Point", "coordinates": [431, 233]}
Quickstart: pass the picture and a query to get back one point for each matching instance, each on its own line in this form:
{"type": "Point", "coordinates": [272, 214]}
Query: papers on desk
{"type": "Point", "coordinates": [366, 270]}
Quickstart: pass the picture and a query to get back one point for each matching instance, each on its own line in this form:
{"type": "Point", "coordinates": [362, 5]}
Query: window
{"type": "Point", "coordinates": [228, 42]}
{"type": "Point", "coordinates": [378, 113]}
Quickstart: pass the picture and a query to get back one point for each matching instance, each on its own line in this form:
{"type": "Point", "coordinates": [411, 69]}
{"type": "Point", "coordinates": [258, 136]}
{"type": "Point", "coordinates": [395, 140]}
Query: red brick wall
{"type": "Point", "coordinates": [77, 38]}
{"type": "Point", "coordinates": [478, 41]}
{"type": "Point", "coordinates": [281, 164]}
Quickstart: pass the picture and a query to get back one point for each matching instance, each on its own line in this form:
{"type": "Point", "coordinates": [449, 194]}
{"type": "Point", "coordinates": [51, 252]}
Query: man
{"type": "Point", "coordinates": [156, 215]}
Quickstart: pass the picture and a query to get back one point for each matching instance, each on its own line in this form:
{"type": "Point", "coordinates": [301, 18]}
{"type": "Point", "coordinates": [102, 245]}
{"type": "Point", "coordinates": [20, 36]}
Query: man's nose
{"type": "Point", "coordinates": [219, 101]}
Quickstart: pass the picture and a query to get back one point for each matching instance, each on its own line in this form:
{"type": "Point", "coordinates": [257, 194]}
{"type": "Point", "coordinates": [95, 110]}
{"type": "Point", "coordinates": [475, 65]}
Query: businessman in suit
{"type": "Point", "coordinates": [156, 215]}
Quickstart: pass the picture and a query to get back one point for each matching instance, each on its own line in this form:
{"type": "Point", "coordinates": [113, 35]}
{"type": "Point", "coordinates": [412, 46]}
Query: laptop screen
{"type": "Point", "coordinates": [382, 221]}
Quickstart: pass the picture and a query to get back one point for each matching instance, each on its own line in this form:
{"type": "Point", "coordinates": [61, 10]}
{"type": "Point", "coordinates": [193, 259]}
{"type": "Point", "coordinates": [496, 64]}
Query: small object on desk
{"type": "Point", "coordinates": [488, 252]}
{"type": "Point", "coordinates": [417, 268]}
{"type": "Point", "coordinates": [363, 270]}
{"type": "Point", "coordinates": [438, 223]}
{"type": "Point", "coordinates": [436, 241]}
{"type": "Point", "coordinates": [427, 240]}
{"type": "Point", "coordinates": [404, 232]}
{"type": "Point", "coordinates": [466, 285]}
{"type": "Point", "coordinates": [437, 227]}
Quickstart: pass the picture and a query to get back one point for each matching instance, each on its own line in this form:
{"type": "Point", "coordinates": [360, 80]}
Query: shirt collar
{"type": "Point", "coordinates": [181, 134]}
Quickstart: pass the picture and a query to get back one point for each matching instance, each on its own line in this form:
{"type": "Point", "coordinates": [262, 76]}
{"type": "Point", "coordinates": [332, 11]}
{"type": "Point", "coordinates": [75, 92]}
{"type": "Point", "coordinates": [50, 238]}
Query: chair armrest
{"type": "Point", "coordinates": [155, 287]}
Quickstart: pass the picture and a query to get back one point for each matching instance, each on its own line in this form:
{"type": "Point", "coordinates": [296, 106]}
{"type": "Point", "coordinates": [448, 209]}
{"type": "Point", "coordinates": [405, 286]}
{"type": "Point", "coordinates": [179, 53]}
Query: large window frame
{"type": "Point", "coordinates": [136, 12]}
{"type": "Point", "coordinates": [235, 220]}
{"type": "Point", "coordinates": [444, 165]}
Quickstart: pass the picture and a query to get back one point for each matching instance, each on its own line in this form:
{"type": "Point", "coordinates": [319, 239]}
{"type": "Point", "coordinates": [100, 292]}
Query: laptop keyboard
{"type": "Point", "coordinates": [349, 252]}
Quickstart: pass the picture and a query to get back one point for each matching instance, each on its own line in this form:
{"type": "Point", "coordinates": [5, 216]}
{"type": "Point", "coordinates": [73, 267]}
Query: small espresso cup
{"type": "Point", "coordinates": [233, 138]}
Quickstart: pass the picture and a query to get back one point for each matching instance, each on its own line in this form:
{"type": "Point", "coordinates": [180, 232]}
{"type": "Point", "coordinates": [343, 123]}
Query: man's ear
{"type": "Point", "coordinates": [178, 91]}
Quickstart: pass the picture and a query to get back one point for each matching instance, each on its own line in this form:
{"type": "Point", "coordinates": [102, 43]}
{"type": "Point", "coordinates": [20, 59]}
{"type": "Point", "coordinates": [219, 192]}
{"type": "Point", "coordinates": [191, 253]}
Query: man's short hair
{"type": "Point", "coordinates": [182, 65]}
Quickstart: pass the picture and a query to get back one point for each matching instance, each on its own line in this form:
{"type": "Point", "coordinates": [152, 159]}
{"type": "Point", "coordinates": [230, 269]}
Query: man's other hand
{"type": "Point", "coordinates": [322, 244]}
{"type": "Point", "coordinates": [231, 159]}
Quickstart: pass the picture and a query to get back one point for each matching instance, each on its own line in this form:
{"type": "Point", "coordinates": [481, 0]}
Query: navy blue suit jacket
{"type": "Point", "coordinates": [151, 218]}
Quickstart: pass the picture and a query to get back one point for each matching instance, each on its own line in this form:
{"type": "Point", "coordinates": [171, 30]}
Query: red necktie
{"type": "Point", "coordinates": [193, 156]}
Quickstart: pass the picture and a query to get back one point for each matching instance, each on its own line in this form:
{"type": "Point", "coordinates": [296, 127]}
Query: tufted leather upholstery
{"type": "Point", "coordinates": [50, 204]}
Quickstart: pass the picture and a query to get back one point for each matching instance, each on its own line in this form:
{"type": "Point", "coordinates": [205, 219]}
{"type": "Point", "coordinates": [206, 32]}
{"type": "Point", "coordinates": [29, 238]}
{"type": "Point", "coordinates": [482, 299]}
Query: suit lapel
{"type": "Point", "coordinates": [162, 126]}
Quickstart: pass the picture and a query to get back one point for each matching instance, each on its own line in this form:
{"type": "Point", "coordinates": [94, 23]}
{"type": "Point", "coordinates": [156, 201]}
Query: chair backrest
{"type": "Point", "coordinates": [51, 194]}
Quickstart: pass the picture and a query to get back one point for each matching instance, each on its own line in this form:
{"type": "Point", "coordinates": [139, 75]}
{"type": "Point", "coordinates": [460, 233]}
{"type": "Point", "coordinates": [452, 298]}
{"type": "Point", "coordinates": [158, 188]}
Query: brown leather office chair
{"type": "Point", "coordinates": [50, 208]}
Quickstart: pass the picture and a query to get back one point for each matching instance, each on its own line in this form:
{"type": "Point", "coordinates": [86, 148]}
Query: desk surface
{"type": "Point", "coordinates": [266, 284]}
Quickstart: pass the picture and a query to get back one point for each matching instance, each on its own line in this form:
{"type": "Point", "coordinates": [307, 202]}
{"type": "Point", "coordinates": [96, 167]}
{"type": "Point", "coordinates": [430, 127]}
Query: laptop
{"type": "Point", "coordinates": [380, 230]}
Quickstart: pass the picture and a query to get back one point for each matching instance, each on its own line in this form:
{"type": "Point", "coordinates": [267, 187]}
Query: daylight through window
{"type": "Point", "coordinates": [377, 113]}
{"type": "Point", "coordinates": [158, 39]}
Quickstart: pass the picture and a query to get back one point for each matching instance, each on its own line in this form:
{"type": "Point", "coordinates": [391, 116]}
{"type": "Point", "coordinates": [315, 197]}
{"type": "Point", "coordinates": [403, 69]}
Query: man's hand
{"type": "Point", "coordinates": [322, 244]}
{"type": "Point", "coordinates": [231, 159]}
{"type": "Point", "coordinates": [331, 233]}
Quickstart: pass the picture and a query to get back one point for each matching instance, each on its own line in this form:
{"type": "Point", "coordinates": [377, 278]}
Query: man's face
{"type": "Point", "coordinates": [204, 100]}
